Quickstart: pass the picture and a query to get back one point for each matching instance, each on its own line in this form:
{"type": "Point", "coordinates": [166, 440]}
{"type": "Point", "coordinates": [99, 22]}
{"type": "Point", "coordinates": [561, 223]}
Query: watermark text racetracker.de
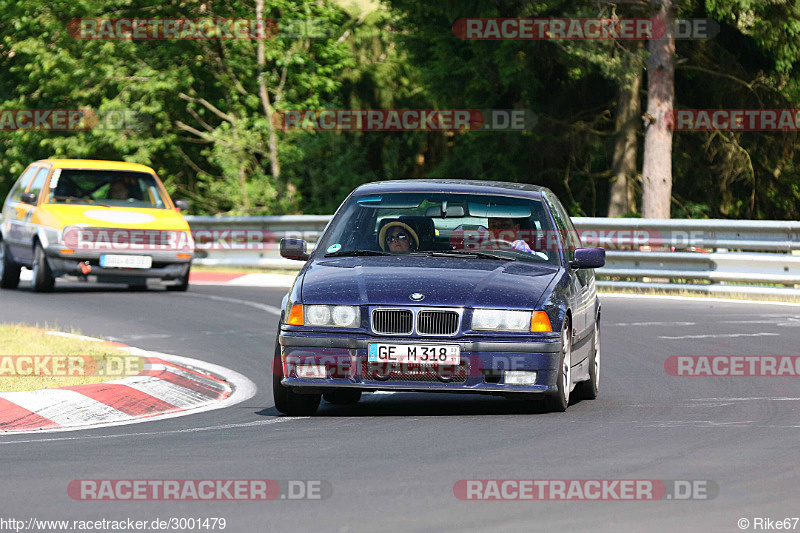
{"type": "Point", "coordinates": [733, 365]}
{"type": "Point", "coordinates": [48, 366]}
{"type": "Point", "coordinates": [100, 239]}
{"type": "Point", "coordinates": [221, 238]}
{"type": "Point", "coordinates": [71, 120]}
{"type": "Point", "coordinates": [580, 29]}
{"type": "Point", "coordinates": [405, 119]}
{"type": "Point", "coordinates": [585, 489]}
{"type": "Point", "coordinates": [198, 489]}
{"type": "Point", "coordinates": [733, 119]}
{"type": "Point", "coordinates": [219, 29]}
{"type": "Point", "coordinates": [555, 240]}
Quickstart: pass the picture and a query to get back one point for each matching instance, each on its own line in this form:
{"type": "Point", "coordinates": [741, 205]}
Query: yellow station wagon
{"type": "Point", "coordinates": [109, 220]}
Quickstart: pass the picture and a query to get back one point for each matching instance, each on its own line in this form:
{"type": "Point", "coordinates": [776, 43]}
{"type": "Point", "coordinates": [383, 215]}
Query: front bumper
{"type": "Point", "coordinates": [166, 265]}
{"type": "Point", "coordinates": [481, 370]}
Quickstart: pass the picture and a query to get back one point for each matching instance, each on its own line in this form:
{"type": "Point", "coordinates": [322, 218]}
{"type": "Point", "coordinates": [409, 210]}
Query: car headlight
{"type": "Point", "coordinates": [501, 320]}
{"type": "Point", "coordinates": [318, 315]}
{"type": "Point", "coordinates": [340, 316]}
{"type": "Point", "coordinates": [71, 236]}
{"type": "Point", "coordinates": [345, 316]}
{"type": "Point", "coordinates": [69, 233]}
{"type": "Point", "coordinates": [510, 320]}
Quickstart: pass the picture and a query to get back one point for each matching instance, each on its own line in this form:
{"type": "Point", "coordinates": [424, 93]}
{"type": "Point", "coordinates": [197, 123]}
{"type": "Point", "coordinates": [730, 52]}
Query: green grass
{"type": "Point", "coordinates": [91, 362]}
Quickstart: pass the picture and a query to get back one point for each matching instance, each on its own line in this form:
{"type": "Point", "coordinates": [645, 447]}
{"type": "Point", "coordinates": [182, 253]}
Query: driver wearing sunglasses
{"type": "Point", "coordinates": [399, 238]}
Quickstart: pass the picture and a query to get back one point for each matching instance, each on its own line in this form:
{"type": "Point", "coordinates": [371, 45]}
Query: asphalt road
{"type": "Point", "coordinates": [392, 460]}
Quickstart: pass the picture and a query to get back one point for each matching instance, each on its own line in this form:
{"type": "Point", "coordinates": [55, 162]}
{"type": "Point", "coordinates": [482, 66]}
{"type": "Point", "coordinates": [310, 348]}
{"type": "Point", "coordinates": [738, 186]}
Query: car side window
{"type": "Point", "coordinates": [22, 183]}
{"type": "Point", "coordinates": [38, 182]}
{"type": "Point", "coordinates": [564, 226]}
{"type": "Point", "coordinates": [572, 234]}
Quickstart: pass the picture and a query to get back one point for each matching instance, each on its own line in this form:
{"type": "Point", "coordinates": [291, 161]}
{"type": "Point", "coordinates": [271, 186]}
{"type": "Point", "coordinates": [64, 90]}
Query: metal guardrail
{"type": "Point", "coordinates": [308, 227]}
{"type": "Point", "coordinates": [714, 256]}
{"type": "Point", "coordinates": [747, 235]}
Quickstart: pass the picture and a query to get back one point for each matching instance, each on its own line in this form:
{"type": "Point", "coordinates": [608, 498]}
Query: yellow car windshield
{"type": "Point", "coordinates": [112, 188]}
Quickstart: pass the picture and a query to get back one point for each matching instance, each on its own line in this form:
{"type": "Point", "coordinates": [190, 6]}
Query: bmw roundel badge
{"type": "Point", "coordinates": [417, 296]}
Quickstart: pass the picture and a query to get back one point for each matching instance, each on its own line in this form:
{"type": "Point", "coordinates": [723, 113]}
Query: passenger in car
{"type": "Point", "coordinates": [502, 227]}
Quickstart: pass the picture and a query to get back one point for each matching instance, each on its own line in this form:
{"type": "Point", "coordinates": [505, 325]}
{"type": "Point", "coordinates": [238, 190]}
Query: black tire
{"type": "Point", "coordinates": [558, 403]}
{"type": "Point", "coordinates": [587, 390]}
{"type": "Point", "coordinates": [43, 280]}
{"type": "Point", "coordinates": [287, 401]}
{"type": "Point", "coordinates": [342, 396]}
{"type": "Point", "coordinates": [9, 270]}
{"type": "Point", "coordinates": [183, 286]}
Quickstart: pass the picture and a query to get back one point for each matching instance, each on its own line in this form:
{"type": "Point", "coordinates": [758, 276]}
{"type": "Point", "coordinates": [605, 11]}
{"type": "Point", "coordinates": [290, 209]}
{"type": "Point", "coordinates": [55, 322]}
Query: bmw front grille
{"type": "Point", "coordinates": [437, 322]}
{"type": "Point", "coordinates": [392, 321]}
{"type": "Point", "coordinates": [442, 322]}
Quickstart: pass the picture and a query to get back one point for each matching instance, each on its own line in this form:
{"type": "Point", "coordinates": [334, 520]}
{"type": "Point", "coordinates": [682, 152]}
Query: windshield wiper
{"type": "Point", "coordinates": [344, 253]}
{"type": "Point", "coordinates": [473, 253]}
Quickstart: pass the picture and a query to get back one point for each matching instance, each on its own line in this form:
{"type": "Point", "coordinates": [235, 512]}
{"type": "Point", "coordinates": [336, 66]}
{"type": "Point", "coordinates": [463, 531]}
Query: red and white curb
{"type": "Point", "coordinates": [169, 386]}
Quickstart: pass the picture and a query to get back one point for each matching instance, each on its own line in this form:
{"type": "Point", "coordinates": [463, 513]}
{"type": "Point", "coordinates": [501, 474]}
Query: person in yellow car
{"type": "Point", "coordinates": [118, 190]}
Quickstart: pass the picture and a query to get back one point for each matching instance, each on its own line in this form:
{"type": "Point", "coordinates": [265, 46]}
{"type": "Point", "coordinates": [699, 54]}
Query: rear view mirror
{"type": "Point", "coordinates": [294, 249]}
{"type": "Point", "coordinates": [453, 211]}
{"type": "Point", "coordinates": [28, 198]}
{"type": "Point", "coordinates": [182, 205]}
{"type": "Point", "coordinates": [589, 258]}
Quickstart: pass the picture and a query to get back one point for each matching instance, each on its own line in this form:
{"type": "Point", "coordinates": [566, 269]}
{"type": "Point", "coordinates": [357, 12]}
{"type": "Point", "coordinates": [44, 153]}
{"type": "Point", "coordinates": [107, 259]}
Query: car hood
{"type": "Point", "coordinates": [61, 215]}
{"type": "Point", "coordinates": [444, 281]}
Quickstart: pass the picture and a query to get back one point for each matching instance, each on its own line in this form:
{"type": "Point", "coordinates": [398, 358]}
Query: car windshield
{"type": "Point", "coordinates": [112, 188]}
{"type": "Point", "coordinates": [443, 224]}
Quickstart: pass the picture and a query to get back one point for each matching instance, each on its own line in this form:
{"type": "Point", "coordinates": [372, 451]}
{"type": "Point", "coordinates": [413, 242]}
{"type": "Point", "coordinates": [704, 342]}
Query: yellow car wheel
{"type": "Point", "coordinates": [9, 271]}
{"type": "Point", "coordinates": [183, 285]}
{"type": "Point", "coordinates": [43, 280]}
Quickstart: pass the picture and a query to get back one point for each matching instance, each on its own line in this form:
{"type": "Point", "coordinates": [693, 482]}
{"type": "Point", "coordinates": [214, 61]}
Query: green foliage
{"type": "Point", "coordinates": [195, 114]}
{"type": "Point", "coordinates": [572, 86]}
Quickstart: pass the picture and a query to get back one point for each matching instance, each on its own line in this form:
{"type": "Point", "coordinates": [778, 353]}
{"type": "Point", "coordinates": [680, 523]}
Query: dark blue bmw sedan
{"type": "Point", "coordinates": [441, 286]}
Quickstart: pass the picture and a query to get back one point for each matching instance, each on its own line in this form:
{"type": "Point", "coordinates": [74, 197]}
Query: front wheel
{"type": "Point", "coordinates": [559, 402]}
{"type": "Point", "coordinates": [43, 280]}
{"type": "Point", "coordinates": [287, 401]}
{"type": "Point", "coordinates": [183, 285]}
{"type": "Point", "coordinates": [9, 271]}
{"type": "Point", "coordinates": [589, 389]}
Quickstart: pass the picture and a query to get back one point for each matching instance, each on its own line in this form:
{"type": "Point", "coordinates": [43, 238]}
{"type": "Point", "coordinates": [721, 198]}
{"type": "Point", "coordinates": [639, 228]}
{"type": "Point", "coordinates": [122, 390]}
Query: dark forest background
{"type": "Point", "coordinates": [200, 119]}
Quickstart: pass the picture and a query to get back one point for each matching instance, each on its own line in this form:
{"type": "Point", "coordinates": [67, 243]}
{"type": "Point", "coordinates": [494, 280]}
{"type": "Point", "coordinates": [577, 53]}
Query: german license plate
{"type": "Point", "coordinates": [126, 261]}
{"type": "Point", "coordinates": [430, 354]}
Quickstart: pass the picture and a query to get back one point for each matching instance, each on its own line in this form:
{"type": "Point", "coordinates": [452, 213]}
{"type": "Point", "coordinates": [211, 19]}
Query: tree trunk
{"type": "Point", "coordinates": [274, 161]}
{"type": "Point", "coordinates": [657, 167]}
{"type": "Point", "coordinates": [620, 200]}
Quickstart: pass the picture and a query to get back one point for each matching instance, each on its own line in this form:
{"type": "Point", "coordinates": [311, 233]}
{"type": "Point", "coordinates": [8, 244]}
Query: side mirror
{"type": "Point", "coordinates": [294, 249]}
{"type": "Point", "coordinates": [28, 198]}
{"type": "Point", "coordinates": [182, 205]}
{"type": "Point", "coordinates": [589, 258]}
